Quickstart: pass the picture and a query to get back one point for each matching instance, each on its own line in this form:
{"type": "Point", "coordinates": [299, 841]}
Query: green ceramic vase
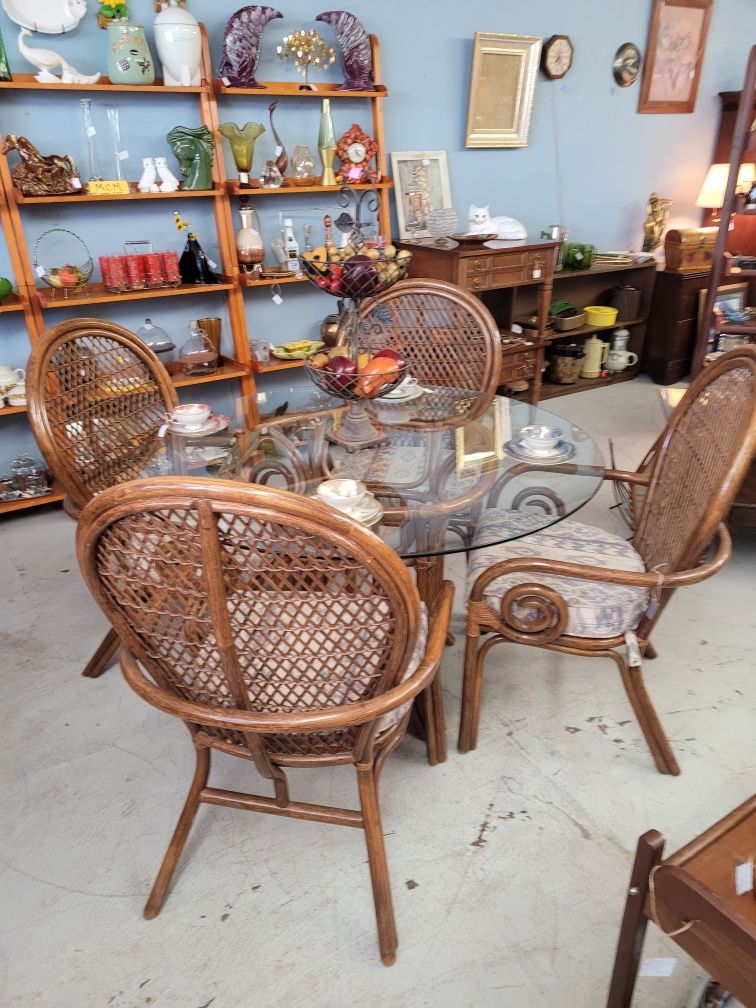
{"type": "Point", "coordinates": [129, 58]}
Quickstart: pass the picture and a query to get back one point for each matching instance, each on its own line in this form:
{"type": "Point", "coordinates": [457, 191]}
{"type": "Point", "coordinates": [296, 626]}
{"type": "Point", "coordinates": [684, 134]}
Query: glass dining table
{"type": "Point", "coordinates": [442, 464]}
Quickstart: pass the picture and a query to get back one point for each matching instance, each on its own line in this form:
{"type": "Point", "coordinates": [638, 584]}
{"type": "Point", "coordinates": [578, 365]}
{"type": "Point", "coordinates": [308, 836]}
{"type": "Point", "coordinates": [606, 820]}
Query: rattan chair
{"type": "Point", "coordinates": [277, 629]}
{"type": "Point", "coordinates": [446, 335]}
{"type": "Point", "coordinates": [97, 399]}
{"type": "Point", "coordinates": [579, 590]}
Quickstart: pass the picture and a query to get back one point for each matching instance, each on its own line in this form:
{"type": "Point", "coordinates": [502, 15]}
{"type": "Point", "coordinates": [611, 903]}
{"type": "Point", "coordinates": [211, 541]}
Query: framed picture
{"type": "Point", "coordinates": [502, 88]}
{"type": "Point", "coordinates": [674, 55]}
{"type": "Point", "coordinates": [479, 446]}
{"type": "Point", "coordinates": [421, 184]}
{"type": "Point", "coordinates": [728, 295]}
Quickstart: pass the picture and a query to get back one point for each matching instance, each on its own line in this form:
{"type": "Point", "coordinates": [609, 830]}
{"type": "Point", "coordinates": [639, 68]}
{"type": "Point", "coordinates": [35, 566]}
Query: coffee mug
{"type": "Point", "coordinates": [618, 360]}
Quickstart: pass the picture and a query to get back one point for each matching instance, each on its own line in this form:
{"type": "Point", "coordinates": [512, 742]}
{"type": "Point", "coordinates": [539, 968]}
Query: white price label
{"type": "Point", "coordinates": [122, 155]}
{"type": "Point", "coordinates": [744, 878]}
{"type": "Point", "coordinates": [278, 151]}
{"type": "Point", "coordinates": [40, 271]}
{"type": "Point", "coordinates": [225, 82]}
{"type": "Point", "coordinates": [211, 264]}
{"type": "Point", "coordinates": [277, 300]}
{"type": "Point", "coordinates": [162, 430]}
{"type": "Point", "coordinates": [536, 272]}
{"type": "Point", "coordinates": [662, 967]}
{"type": "Point", "coordinates": [244, 177]}
{"type": "Point", "coordinates": [75, 182]}
{"type": "Point", "coordinates": [91, 131]}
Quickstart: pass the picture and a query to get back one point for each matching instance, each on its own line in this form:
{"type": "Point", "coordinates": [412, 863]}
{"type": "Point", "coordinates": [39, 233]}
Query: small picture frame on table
{"type": "Point", "coordinates": [421, 184]}
{"type": "Point", "coordinates": [674, 55]}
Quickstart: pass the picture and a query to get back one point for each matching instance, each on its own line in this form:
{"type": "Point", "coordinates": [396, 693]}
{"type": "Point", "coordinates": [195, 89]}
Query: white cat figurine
{"type": "Point", "coordinates": [480, 221]}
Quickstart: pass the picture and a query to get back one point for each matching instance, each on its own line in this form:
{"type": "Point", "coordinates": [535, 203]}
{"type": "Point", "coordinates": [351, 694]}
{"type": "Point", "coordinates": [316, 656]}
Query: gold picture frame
{"type": "Point", "coordinates": [479, 446]}
{"type": "Point", "coordinates": [502, 89]}
{"type": "Point", "coordinates": [674, 55]}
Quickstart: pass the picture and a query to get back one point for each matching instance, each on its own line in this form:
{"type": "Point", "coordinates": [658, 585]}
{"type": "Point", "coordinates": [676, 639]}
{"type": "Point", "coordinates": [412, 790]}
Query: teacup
{"type": "Point", "coordinates": [405, 385]}
{"type": "Point", "coordinates": [192, 416]}
{"type": "Point", "coordinates": [10, 376]}
{"type": "Point", "coordinates": [16, 395]}
{"type": "Point", "coordinates": [342, 494]}
{"type": "Point", "coordinates": [540, 437]}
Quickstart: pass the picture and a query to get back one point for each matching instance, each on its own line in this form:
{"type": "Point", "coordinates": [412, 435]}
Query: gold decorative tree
{"type": "Point", "coordinates": [306, 49]}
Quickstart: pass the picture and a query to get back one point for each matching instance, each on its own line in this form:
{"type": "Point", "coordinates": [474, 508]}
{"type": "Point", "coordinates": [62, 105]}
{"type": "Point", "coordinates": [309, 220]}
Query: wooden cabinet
{"type": "Point", "coordinates": [518, 283]}
{"type": "Point", "coordinates": [672, 325]}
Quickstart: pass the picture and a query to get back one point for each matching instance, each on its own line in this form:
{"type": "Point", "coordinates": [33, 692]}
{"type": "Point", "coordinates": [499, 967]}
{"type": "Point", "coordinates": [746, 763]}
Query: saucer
{"type": "Point", "coordinates": [368, 513]}
{"type": "Point", "coordinates": [400, 394]}
{"type": "Point", "coordinates": [562, 451]}
{"type": "Point", "coordinates": [216, 423]}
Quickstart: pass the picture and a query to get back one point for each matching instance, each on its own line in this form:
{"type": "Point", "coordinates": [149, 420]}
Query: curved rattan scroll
{"type": "Point", "coordinates": [446, 335]}
{"type": "Point", "coordinates": [97, 398]}
{"type": "Point", "coordinates": [533, 614]}
{"type": "Point", "coordinates": [252, 598]}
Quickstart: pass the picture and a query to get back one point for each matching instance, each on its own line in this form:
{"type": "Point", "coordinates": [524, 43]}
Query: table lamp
{"type": "Point", "coordinates": [712, 193]}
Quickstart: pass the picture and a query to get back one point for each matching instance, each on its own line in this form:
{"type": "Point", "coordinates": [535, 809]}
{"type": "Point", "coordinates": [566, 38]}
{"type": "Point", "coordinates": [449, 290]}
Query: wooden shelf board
{"type": "Point", "coordinates": [249, 281]}
{"type": "Point", "coordinates": [235, 190]}
{"type": "Point", "coordinates": [293, 89]}
{"type": "Point", "coordinates": [27, 82]}
{"type": "Point", "coordinates": [85, 197]}
{"type": "Point", "coordinates": [10, 410]}
{"type": "Point", "coordinates": [551, 335]}
{"type": "Point", "coordinates": [97, 294]}
{"type": "Point", "coordinates": [551, 390]}
{"type": "Point", "coordinates": [229, 369]}
{"type": "Point", "coordinates": [614, 268]}
{"type": "Point", "coordinates": [11, 303]}
{"type": "Point", "coordinates": [6, 507]}
{"type": "Point", "coordinates": [268, 367]}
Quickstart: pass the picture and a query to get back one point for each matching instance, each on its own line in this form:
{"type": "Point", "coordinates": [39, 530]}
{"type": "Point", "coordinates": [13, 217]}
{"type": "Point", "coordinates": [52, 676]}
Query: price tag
{"type": "Point", "coordinates": [355, 173]}
{"type": "Point", "coordinates": [76, 182]}
{"type": "Point", "coordinates": [162, 430]}
{"type": "Point", "coordinates": [663, 967]}
{"type": "Point", "coordinates": [278, 151]}
{"type": "Point", "coordinates": [212, 265]}
{"type": "Point", "coordinates": [91, 131]}
{"type": "Point", "coordinates": [244, 177]}
{"type": "Point", "coordinates": [225, 82]}
{"type": "Point", "coordinates": [633, 650]}
{"type": "Point", "coordinates": [536, 272]}
{"type": "Point", "coordinates": [744, 878]}
{"type": "Point", "coordinates": [122, 155]}
{"type": "Point", "coordinates": [108, 187]}
{"type": "Point", "coordinates": [40, 271]}
{"type": "Point", "coordinates": [277, 299]}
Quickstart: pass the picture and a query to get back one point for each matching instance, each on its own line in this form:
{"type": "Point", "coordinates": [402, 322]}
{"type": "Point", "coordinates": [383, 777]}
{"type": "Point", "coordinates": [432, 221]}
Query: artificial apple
{"type": "Point", "coordinates": [341, 371]}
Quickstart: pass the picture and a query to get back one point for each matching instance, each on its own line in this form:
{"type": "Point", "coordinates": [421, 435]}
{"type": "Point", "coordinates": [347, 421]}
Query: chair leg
{"type": "Point", "coordinates": [633, 929]}
{"type": "Point", "coordinates": [651, 651]}
{"type": "Point", "coordinates": [658, 743]}
{"type": "Point", "coordinates": [180, 834]}
{"type": "Point", "coordinates": [439, 718]}
{"type": "Point", "coordinates": [472, 685]}
{"type": "Point", "coordinates": [427, 719]}
{"type": "Point", "coordinates": [103, 656]}
{"type": "Point", "coordinates": [384, 910]}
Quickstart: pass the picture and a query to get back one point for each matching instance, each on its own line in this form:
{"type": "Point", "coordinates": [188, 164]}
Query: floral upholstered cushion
{"type": "Point", "coordinates": [595, 609]}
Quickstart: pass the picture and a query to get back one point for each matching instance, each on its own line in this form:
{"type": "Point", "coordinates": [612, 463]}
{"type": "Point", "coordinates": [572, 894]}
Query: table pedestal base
{"type": "Point", "coordinates": [358, 431]}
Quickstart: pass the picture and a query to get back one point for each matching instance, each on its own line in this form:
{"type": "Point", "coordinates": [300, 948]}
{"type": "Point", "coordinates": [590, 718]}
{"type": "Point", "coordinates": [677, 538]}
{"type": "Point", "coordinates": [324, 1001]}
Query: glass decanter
{"type": "Point", "coordinates": [303, 165]}
{"type": "Point", "coordinates": [250, 248]}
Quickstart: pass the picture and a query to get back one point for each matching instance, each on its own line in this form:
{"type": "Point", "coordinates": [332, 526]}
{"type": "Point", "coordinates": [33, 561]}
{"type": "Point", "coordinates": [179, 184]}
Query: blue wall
{"type": "Point", "coordinates": [590, 164]}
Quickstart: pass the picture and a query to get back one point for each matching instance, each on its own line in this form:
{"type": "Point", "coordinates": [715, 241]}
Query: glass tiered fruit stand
{"type": "Point", "coordinates": [358, 271]}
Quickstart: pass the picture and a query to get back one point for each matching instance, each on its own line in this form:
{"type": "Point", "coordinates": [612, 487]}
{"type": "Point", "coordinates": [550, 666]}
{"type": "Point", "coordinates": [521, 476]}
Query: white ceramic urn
{"type": "Point", "coordinates": [179, 46]}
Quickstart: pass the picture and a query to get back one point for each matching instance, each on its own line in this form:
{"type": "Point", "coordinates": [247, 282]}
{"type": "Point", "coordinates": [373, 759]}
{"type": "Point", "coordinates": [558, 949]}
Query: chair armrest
{"type": "Point", "coordinates": [635, 579]}
{"type": "Point", "coordinates": [328, 719]}
{"type": "Point", "coordinates": [621, 476]}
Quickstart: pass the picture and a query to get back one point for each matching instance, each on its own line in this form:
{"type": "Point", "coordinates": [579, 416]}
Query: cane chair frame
{"type": "Point", "coordinates": [273, 733]}
{"type": "Point", "coordinates": [44, 393]}
{"type": "Point", "coordinates": [671, 560]}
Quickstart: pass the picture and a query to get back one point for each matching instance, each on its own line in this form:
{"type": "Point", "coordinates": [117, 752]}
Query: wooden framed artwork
{"type": "Point", "coordinates": [674, 55]}
{"type": "Point", "coordinates": [421, 184]}
{"type": "Point", "coordinates": [502, 88]}
{"type": "Point", "coordinates": [728, 295]}
{"type": "Point", "coordinates": [479, 446]}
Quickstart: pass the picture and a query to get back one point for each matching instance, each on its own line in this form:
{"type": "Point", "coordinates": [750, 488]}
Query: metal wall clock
{"type": "Point", "coordinates": [627, 64]}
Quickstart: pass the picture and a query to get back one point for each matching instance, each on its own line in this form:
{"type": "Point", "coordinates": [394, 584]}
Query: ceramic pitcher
{"type": "Point", "coordinates": [596, 351]}
{"type": "Point", "coordinates": [618, 360]}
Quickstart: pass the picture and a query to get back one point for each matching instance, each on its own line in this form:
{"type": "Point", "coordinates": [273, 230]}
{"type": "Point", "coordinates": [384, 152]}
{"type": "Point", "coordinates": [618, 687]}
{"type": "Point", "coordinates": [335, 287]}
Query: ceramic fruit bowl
{"type": "Point", "coordinates": [356, 275]}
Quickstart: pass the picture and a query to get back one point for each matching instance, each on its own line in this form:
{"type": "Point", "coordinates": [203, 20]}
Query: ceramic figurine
{"type": "Point", "coordinates": [241, 45]}
{"type": "Point", "coordinates": [195, 151]}
{"type": "Point", "coordinates": [45, 60]}
{"type": "Point", "coordinates": [129, 58]}
{"type": "Point", "coordinates": [179, 46]}
{"type": "Point", "coordinates": [168, 181]}
{"type": "Point", "coordinates": [281, 157]}
{"type": "Point", "coordinates": [5, 74]}
{"type": "Point", "coordinates": [148, 181]}
{"type": "Point", "coordinates": [37, 175]}
{"type": "Point", "coordinates": [193, 263]}
{"type": "Point", "coordinates": [480, 221]}
{"type": "Point", "coordinates": [242, 144]}
{"type": "Point", "coordinates": [354, 46]}
{"type": "Point", "coordinates": [657, 212]}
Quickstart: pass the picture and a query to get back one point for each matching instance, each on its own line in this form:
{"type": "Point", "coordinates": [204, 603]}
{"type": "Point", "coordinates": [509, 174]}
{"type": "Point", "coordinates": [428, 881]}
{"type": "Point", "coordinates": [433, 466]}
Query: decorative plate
{"type": "Point", "coordinates": [562, 451]}
{"type": "Point", "coordinates": [51, 17]}
{"type": "Point", "coordinates": [474, 237]}
{"type": "Point", "coordinates": [283, 354]}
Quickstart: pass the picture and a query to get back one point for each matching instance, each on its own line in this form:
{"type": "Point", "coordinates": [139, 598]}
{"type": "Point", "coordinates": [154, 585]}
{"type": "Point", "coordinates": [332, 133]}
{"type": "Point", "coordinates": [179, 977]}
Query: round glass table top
{"type": "Point", "coordinates": [430, 478]}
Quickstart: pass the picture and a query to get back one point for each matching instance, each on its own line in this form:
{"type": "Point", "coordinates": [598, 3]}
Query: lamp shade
{"type": "Point", "coordinates": [713, 190]}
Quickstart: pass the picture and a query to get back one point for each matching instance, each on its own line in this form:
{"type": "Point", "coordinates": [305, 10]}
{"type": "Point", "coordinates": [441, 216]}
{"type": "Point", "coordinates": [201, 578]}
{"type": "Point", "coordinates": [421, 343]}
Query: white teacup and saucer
{"type": "Point", "coordinates": [352, 497]}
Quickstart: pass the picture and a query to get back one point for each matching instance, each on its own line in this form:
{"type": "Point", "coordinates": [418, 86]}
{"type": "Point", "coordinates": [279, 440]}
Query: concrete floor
{"type": "Point", "coordinates": [509, 865]}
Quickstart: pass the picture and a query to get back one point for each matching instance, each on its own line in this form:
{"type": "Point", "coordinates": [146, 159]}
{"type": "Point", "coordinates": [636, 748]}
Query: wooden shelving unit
{"type": "Point", "coordinates": [33, 302]}
{"type": "Point", "coordinates": [9, 507]}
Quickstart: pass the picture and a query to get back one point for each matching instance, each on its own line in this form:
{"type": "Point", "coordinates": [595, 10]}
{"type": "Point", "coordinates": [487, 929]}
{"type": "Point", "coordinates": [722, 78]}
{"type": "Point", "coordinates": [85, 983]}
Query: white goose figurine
{"type": "Point", "coordinates": [45, 60]}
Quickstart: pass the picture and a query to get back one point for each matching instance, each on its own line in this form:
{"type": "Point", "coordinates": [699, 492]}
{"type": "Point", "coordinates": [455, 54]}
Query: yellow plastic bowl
{"type": "Point", "coordinates": [600, 315]}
